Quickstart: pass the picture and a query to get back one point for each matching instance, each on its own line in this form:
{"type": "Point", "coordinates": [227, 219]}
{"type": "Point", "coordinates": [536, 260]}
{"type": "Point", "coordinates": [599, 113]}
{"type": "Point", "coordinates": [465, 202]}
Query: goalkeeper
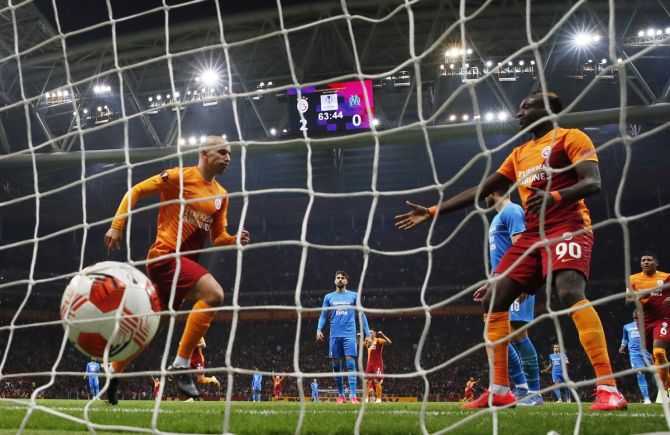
{"type": "Point", "coordinates": [205, 213]}
{"type": "Point", "coordinates": [554, 207]}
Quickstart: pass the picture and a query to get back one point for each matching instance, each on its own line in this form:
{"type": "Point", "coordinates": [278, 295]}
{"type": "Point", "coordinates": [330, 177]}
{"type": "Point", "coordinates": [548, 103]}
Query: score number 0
{"type": "Point", "coordinates": [355, 120]}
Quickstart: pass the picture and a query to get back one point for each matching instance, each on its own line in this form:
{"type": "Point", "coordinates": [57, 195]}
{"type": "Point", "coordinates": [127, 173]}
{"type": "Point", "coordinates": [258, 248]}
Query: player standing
{"type": "Point", "coordinates": [556, 367]}
{"type": "Point", "coordinates": [92, 370]}
{"type": "Point", "coordinates": [256, 385]}
{"type": "Point", "coordinates": [157, 386]}
{"type": "Point", "coordinates": [339, 308]}
{"type": "Point", "coordinates": [648, 286]}
{"type": "Point", "coordinates": [375, 369]}
{"type": "Point", "coordinates": [638, 355]}
{"type": "Point", "coordinates": [555, 210]}
{"type": "Point", "coordinates": [198, 363]}
{"type": "Point", "coordinates": [315, 390]}
{"type": "Point", "coordinates": [276, 386]}
{"type": "Point", "coordinates": [204, 213]}
{"type": "Point", "coordinates": [505, 229]}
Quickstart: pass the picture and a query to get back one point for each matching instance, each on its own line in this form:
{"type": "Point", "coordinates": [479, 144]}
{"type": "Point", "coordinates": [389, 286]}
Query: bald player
{"type": "Point", "coordinates": [204, 214]}
{"type": "Point", "coordinates": [554, 171]}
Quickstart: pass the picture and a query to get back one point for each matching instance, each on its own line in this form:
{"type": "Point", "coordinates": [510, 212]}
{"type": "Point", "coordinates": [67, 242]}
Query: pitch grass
{"type": "Point", "coordinates": [325, 418]}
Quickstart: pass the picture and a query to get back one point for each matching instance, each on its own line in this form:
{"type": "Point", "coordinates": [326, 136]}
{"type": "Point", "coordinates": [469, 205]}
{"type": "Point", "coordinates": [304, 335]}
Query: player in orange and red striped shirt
{"type": "Point", "coordinates": [198, 363]}
{"type": "Point", "coordinates": [375, 367]}
{"type": "Point", "coordinates": [204, 214]}
{"type": "Point", "coordinates": [555, 171]}
{"type": "Point", "coordinates": [469, 393]}
{"type": "Point", "coordinates": [651, 289]}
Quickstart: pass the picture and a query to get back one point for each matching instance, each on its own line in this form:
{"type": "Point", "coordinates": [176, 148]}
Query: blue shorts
{"type": "Point", "coordinates": [637, 361]}
{"type": "Point", "coordinates": [557, 377]}
{"type": "Point", "coordinates": [343, 346]}
{"type": "Point", "coordinates": [524, 311]}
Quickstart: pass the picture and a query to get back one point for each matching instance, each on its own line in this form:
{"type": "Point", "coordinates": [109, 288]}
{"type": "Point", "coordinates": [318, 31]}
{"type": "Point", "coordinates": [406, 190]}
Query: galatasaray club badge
{"type": "Point", "coordinates": [217, 203]}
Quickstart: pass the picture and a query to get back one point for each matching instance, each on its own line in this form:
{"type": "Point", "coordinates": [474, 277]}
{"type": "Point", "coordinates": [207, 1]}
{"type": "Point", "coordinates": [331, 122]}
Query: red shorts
{"type": "Point", "coordinates": [469, 392]}
{"type": "Point", "coordinates": [156, 389]}
{"type": "Point", "coordinates": [162, 275]}
{"type": "Point", "coordinates": [375, 373]}
{"type": "Point", "coordinates": [277, 390]}
{"type": "Point", "coordinates": [569, 251]}
{"type": "Point", "coordinates": [658, 330]}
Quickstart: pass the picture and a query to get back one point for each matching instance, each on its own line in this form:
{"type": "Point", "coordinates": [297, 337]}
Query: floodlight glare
{"type": "Point", "coordinates": [603, 60]}
{"type": "Point", "coordinates": [192, 140]}
{"type": "Point", "coordinates": [176, 94]}
{"type": "Point", "coordinates": [640, 33]}
{"type": "Point", "coordinates": [595, 38]}
{"type": "Point", "coordinates": [210, 77]}
{"type": "Point", "coordinates": [469, 51]}
{"type": "Point", "coordinates": [375, 122]}
{"type": "Point", "coordinates": [224, 136]}
{"type": "Point", "coordinates": [167, 96]}
{"type": "Point", "coordinates": [59, 93]}
{"type": "Point", "coordinates": [532, 62]}
{"type": "Point", "coordinates": [85, 111]}
{"type": "Point", "coordinates": [451, 65]}
{"type": "Point", "coordinates": [581, 40]}
{"type": "Point", "coordinates": [521, 63]}
{"type": "Point", "coordinates": [489, 64]}
{"type": "Point", "coordinates": [158, 97]}
{"type": "Point", "coordinates": [203, 139]}
{"type": "Point", "coordinates": [452, 118]}
{"type": "Point", "coordinates": [99, 109]}
{"type": "Point", "coordinates": [667, 30]}
{"type": "Point", "coordinates": [619, 60]}
{"type": "Point", "coordinates": [47, 95]}
{"type": "Point", "coordinates": [650, 32]}
{"type": "Point", "coordinates": [465, 117]}
{"type": "Point", "coordinates": [273, 131]}
{"type": "Point", "coordinates": [66, 93]}
{"type": "Point", "coordinates": [489, 116]}
{"type": "Point", "coordinates": [502, 116]}
{"type": "Point", "coordinates": [182, 141]}
{"type": "Point", "coordinates": [151, 99]}
{"type": "Point", "coordinates": [53, 95]}
{"type": "Point", "coordinates": [659, 32]}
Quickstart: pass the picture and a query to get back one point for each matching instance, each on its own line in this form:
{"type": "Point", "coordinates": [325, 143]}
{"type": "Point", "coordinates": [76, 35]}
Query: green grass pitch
{"type": "Point", "coordinates": [326, 418]}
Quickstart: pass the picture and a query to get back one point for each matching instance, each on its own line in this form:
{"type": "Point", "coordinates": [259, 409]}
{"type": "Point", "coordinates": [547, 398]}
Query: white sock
{"type": "Point", "coordinates": [610, 388]}
{"type": "Point", "coordinates": [181, 362]}
{"type": "Point", "coordinates": [499, 389]}
{"type": "Point", "coordinates": [524, 386]}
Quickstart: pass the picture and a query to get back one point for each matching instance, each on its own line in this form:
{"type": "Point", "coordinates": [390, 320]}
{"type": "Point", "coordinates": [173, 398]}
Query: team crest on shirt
{"type": "Point", "coordinates": [567, 236]}
{"type": "Point", "coordinates": [659, 283]}
{"type": "Point", "coordinates": [546, 151]}
{"type": "Point", "coordinates": [217, 203]}
{"type": "Point", "coordinates": [164, 176]}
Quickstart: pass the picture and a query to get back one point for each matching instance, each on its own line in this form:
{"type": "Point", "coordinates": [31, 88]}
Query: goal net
{"type": "Point", "coordinates": [337, 113]}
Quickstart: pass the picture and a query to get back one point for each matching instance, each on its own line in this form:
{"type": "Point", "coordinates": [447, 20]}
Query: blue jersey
{"type": "Point", "coordinates": [92, 369]}
{"type": "Point", "coordinates": [343, 317]}
{"type": "Point", "coordinates": [507, 223]}
{"type": "Point", "coordinates": [631, 340]}
{"type": "Point", "coordinates": [257, 381]}
{"type": "Point", "coordinates": [315, 387]}
{"type": "Point", "coordinates": [556, 367]}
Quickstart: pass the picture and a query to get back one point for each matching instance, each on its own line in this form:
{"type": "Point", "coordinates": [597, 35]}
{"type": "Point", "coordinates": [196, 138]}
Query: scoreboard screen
{"type": "Point", "coordinates": [332, 108]}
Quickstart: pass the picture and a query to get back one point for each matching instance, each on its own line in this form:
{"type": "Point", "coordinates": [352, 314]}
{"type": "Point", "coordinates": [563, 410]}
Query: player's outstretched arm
{"type": "Point", "coordinates": [388, 340]}
{"type": "Point", "coordinates": [419, 214]}
{"type": "Point", "coordinates": [589, 184]}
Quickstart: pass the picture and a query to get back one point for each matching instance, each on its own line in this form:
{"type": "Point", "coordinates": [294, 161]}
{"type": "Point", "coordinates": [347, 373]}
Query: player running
{"type": "Point", "coordinates": [649, 288]}
{"type": "Point", "coordinates": [314, 386]}
{"type": "Point", "coordinates": [92, 370]}
{"type": "Point", "coordinates": [339, 308]}
{"type": "Point", "coordinates": [256, 385]}
{"type": "Point", "coordinates": [553, 201]}
{"type": "Point", "coordinates": [374, 371]}
{"type": "Point", "coordinates": [203, 215]}
{"type": "Point", "coordinates": [639, 357]}
{"type": "Point", "coordinates": [198, 363]}
{"type": "Point", "coordinates": [469, 393]}
{"type": "Point", "coordinates": [556, 368]}
{"type": "Point", "coordinates": [505, 229]}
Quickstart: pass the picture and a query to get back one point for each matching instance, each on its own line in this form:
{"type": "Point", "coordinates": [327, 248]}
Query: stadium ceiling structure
{"type": "Point", "coordinates": [249, 50]}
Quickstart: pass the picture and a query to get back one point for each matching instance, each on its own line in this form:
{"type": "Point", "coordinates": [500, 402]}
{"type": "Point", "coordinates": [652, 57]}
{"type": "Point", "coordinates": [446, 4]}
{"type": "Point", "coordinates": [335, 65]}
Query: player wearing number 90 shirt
{"type": "Point", "coordinates": [554, 171]}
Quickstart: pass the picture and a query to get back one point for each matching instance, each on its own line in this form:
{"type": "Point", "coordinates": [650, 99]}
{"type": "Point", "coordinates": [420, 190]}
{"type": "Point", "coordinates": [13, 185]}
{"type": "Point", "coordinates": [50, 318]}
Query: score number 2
{"type": "Point", "coordinates": [303, 125]}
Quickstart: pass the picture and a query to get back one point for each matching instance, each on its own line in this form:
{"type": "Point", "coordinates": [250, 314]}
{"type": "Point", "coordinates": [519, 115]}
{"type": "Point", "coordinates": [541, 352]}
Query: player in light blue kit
{"type": "Point", "coordinates": [556, 369]}
{"type": "Point", "coordinates": [315, 390]}
{"type": "Point", "coordinates": [639, 357]}
{"type": "Point", "coordinates": [339, 308]}
{"type": "Point", "coordinates": [92, 370]}
{"type": "Point", "coordinates": [256, 385]}
{"type": "Point", "coordinates": [524, 371]}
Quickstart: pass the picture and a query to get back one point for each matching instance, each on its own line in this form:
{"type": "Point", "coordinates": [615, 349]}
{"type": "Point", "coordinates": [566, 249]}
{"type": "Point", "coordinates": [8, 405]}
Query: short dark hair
{"type": "Point", "coordinates": [555, 103]}
{"type": "Point", "coordinates": [343, 273]}
{"type": "Point", "coordinates": [649, 254]}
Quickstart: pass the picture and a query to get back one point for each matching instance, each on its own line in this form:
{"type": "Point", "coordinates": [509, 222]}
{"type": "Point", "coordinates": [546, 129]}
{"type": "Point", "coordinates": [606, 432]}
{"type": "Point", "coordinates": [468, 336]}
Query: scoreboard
{"type": "Point", "coordinates": [332, 108]}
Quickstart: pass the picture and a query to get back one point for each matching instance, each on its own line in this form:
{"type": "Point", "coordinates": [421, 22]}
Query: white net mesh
{"type": "Point", "coordinates": [93, 107]}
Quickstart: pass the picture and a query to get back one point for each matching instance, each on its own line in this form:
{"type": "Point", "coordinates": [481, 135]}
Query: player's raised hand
{"type": "Point", "coordinates": [534, 203]}
{"type": "Point", "coordinates": [113, 238]}
{"type": "Point", "coordinates": [244, 237]}
{"type": "Point", "coordinates": [481, 292]}
{"type": "Point", "coordinates": [319, 336]}
{"type": "Point", "coordinates": [622, 349]}
{"type": "Point", "coordinates": [415, 216]}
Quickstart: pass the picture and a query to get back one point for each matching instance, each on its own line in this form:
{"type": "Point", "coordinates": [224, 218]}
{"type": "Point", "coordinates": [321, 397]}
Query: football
{"type": "Point", "coordinates": [103, 296]}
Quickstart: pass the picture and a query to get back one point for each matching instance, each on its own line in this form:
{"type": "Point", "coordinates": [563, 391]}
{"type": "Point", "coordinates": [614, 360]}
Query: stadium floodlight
{"type": "Point", "coordinates": [273, 131]}
{"type": "Point", "coordinates": [603, 60]}
{"type": "Point", "coordinates": [467, 65]}
{"type": "Point", "coordinates": [465, 117]}
{"type": "Point", "coordinates": [650, 32]}
{"type": "Point", "coordinates": [283, 130]}
{"type": "Point", "coordinates": [99, 109]}
{"type": "Point", "coordinates": [182, 141]}
{"type": "Point", "coordinates": [522, 63]}
{"type": "Point", "coordinates": [581, 39]}
{"type": "Point", "coordinates": [210, 77]}
{"type": "Point", "coordinates": [192, 140]}
{"type": "Point", "coordinates": [66, 93]}
{"type": "Point", "coordinates": [451, 66]}
{"type": "Point", "coordinates": [489, 116]}
{"type": "Point", "coordinates": [640, 33]}
{"type": "Point", "coordinates": [47, 95]}
{"type": "Point", "coordinates": [151, 99]}
{"type": "Point", "coordinates": [53, 95]}
{"type": "Point", "coordinates": [489, 64]}
{"type": "Point", "coordinates": [176, 94]}
{"type": "Point", "coordinates": [469, 51]}
{"type": "Point", "coordinates": [502, 116]}
{"type": "Point", "coordinates": [158, 97]}
{"type": "Point", "coordinates": [167, 97]}
{"type": "Point", "coordinates": [595, 38]}
{"type": "Point", "coordinates": [203, 138]}
{"type": "Point", "coordinates": [375, 122]}
{"type": "Point", "coordinates": [269, 84]}
{"type": "Point", "coordinates": [452, 118]}
{"type": "Point", "coordinates": [85, 111]}
{"type": "Point", "coordinates": [667, 30]}
{"type": "Point", "coordinates": [59, 93]}
{"type": "Point", "coordinates": [659, 32]}
{"type": "Point", "coordinates": [510, 63]}
{"type": "Point", "coordinates": [619, 60]}
{"type": "Point", "coordinates": [441, 67]}
{"type": "Point", "coordinates": [224, 136]}
{"type": "Point", "coordinates": [532, 62]}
